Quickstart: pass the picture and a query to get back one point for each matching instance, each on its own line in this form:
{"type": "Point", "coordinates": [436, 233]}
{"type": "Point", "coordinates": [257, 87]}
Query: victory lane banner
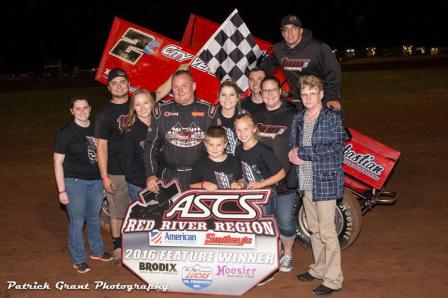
{"type": "Point", "coordinates": [200, 242]}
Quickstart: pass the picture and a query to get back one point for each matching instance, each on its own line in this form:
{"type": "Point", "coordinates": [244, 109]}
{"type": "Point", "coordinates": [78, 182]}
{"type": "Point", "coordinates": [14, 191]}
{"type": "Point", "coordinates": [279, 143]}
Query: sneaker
{"type": "Point", "coordinates": [266, 280]}
{"type": "Point", "coordinates": [286, 263]}
{"type": "Point", "coordinates": [105, 257]}
{"type": "Point", "coordinates": [306, 277]}
{"type": "Point", "coordinates": [117, 256]}
{"type": "Point", "coordinates": [82, 267]}
{"type": "Point", "coordinates": [324, 291]}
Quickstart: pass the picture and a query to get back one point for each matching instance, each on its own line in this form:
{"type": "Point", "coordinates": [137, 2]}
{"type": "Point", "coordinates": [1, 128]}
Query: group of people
{"type": "Point", "coordinates": [262, 141]}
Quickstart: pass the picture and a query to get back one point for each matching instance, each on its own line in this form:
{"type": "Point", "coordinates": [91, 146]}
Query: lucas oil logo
{"type": "Point", "coordinates": [197, 277]}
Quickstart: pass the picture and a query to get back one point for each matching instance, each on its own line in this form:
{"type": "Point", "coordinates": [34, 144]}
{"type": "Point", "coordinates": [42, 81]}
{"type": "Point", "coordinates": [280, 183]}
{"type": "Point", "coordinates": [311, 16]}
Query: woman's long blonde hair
{"type": "Point", "coordinates": [132, 114]}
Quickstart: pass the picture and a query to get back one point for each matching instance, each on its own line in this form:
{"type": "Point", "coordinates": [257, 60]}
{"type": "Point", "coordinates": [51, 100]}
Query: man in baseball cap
{"type": "Point", "coordinates": [298, 54]}
{"type": "Point", "coordinates": [116, 72]}
{"type": "Point", "coordinates": [290, 20]}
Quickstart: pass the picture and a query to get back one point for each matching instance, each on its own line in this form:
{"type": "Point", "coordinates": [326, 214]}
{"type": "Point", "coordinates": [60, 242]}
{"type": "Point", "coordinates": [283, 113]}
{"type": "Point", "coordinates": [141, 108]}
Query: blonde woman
{"type": "Point", "coordinates": [131, 155]}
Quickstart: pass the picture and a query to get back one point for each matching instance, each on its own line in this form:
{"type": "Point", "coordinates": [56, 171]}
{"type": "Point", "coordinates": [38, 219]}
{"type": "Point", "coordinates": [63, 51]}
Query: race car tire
{"type": "Point", "coordinates": [348, 220]}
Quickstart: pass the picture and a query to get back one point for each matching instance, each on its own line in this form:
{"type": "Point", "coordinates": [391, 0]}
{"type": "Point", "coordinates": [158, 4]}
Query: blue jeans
{"type": "Point", "coordinates": [269, 208]}
{"type": "Point", "coordinates": [283, 209]}
{"type": "Point", "coordinates": [133, 191]}
{"type": "Point", "coordinates": [85, 199]}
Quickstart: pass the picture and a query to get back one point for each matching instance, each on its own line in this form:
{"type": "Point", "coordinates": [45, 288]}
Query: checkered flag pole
{"type": "Point", "coordinates": [231, 51]}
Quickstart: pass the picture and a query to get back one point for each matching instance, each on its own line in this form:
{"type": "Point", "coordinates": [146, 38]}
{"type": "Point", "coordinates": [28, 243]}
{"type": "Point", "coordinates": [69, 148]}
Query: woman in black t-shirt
{"type": "Point", "coordinates": [229, 107]}
{"type": "Point", "coordinates": [132, 147]}
{"type": "Point", "coordinates": [79, 184]}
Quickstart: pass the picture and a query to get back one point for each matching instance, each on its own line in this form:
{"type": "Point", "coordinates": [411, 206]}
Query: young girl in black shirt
{"type": "Point", "coordinates": [260, 166]}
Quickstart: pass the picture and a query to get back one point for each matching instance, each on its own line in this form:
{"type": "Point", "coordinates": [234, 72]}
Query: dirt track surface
{"type": "Point", "coordinates": [402, 250]}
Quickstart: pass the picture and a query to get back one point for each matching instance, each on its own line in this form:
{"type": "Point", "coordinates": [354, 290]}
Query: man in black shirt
{"type": "Point", "coordinates": [300, 54]}
{"type": "Point", "coordinates": [175, 138]}
{"type": "Point", "coordinates": [254, 102]}
{"type": "Point", "coordinates": [110, 123]}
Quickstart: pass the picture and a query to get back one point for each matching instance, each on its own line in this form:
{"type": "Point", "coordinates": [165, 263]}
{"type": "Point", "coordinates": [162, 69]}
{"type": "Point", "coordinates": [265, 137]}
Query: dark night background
{"type": "Point", "coordinates": [37, 32]}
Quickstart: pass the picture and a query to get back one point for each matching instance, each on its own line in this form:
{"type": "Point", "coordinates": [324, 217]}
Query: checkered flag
{"type": "Point", "coordinates": [231, 51]}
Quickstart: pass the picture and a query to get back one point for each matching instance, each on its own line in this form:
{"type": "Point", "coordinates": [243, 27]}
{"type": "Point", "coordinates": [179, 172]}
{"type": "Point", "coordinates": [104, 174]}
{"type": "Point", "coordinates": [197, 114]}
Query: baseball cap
{"type": "Point", "coordinates": [116, 72]}
{"type": "Point", "coordinates": [291, 20]}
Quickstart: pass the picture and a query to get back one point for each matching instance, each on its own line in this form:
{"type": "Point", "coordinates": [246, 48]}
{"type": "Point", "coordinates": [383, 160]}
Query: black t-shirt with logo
{"type": "Point", "coordinates": [250, 106]}
{"type": "Point", "coordinates": [222, 173]}
{"type": "Point", "coordinates": [229, 126]}
{"type": "Point", "coordinates": [258, 163]}
{"type": "Point", "coordinates": [110, 123]}
{"type": "Point", "coordinates": [131, 155]}
{"type": "Point", "coordinates": [79, 147]}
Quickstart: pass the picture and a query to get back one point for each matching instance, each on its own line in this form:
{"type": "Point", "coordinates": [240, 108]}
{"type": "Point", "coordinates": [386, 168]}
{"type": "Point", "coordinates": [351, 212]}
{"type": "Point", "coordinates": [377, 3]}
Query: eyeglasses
{"type": "Point", "coordinates": [312, 94]}
{"type": "Point", "coordinates": [269, 91]}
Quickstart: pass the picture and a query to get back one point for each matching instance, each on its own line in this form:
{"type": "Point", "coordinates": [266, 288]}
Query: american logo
{"type": "Point", "coordinates": [167, 238]}
{"type": "Point", "coordinates": [197, 277]}
{"type": "Point", "coordinates": [155, 237]}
